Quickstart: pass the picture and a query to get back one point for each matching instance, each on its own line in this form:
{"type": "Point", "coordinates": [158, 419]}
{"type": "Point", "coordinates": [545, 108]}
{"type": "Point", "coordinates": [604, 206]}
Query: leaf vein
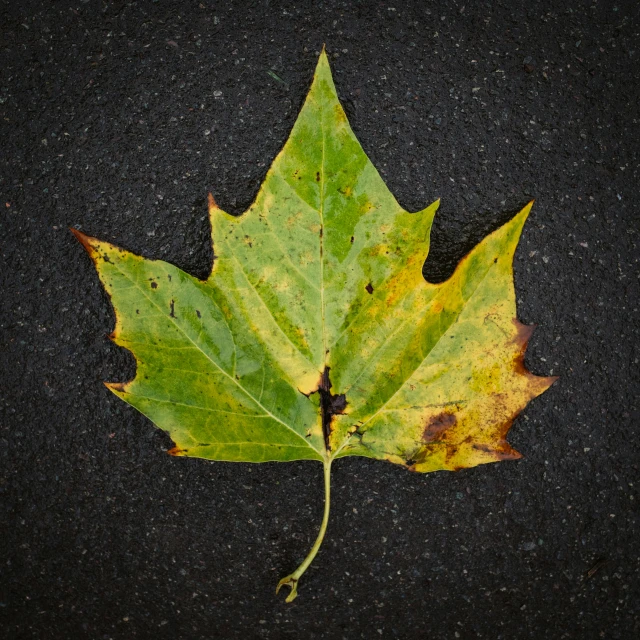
{"type": "Point", "coordinates": [245, 391]}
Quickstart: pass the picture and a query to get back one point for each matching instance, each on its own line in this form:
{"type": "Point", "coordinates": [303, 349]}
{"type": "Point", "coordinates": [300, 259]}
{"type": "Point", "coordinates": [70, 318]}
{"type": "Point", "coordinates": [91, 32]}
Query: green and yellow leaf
{"type": "Point", "coordinates": [316, 336]}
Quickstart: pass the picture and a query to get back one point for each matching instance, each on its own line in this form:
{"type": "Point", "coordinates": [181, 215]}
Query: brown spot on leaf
{"type": "Point", "coordinates": [177, 451]}
{"type": "Point", "coordinates": [351, 239]}
{"type": "Point", "coordinates": [330, 405]}
{"type": "Point", "coordinates": [317, 176]}
{"type": "Point", "coordinates": [369, 288]}
{"type": "Point", "coordinates": [437, 425]}
{"type": "Point", "coordinates": [154, 285]}
{"type": "Point", "coordinates": [172, 307]}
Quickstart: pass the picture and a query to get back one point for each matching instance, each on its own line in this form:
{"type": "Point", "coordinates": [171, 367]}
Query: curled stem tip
{"type": "Point", "coordinates": [292, 579]}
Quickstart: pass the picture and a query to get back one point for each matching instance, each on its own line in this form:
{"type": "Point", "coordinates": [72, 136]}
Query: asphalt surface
{"type": "Point", "coordinates": [117, 118]}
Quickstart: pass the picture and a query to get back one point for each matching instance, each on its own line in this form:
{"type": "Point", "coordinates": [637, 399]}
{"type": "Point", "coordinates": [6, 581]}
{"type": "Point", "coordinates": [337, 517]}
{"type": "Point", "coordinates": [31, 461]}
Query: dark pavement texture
{"type": "Point", "coordinates": [117, 118]}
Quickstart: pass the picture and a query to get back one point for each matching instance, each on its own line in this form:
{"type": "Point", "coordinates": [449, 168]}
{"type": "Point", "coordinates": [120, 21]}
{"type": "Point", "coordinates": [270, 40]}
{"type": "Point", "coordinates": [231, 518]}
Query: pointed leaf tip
{"type": "Point", "coordinates": [213, 206]}
{"type": "Point", "coordinates": [84, 240]}
{"type": "Point", "coordinates": [323, 62]}
{"type": "Point", "coordinates": [177, 451]}
{"type": "Point", "coordinates": [520, 218]}
{"type": "Point", "coordinates": [116, 387]}
{"type": "Point", "coordinates": [433, 207]}
{"type": "Point", "coordinates": [526, 210]}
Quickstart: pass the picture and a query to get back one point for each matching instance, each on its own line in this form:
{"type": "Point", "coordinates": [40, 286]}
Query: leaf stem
{"type": "Point", "coordinates": [291, 580]}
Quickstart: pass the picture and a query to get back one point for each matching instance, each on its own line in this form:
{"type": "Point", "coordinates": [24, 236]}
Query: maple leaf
{"type": "Point", "coordinates": [316, 336]}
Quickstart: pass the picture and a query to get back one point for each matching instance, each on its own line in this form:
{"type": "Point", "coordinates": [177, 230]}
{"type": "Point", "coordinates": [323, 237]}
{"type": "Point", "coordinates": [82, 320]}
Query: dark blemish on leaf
{"type": "Point", "coordinates": [495, 260]}
{"type": "Point", "coordinates": [338, 404]}
{"type": "Point", "coordinates": [198, 314]}
{"type": "Point", "coordinates": [154, 285]}
{"type": "Point", "coordinates": [437, 425]}
{"type": "Point", "coordinates": [138, 311]}
{"type": "Point", "coordinates": [321, 231]}
{"type": "Point", "coordinates": [369, 288]}
{"type": "Point", "coordinates": [105, 257]}
{"type": "Point", "coordinates": [169, 276]}
{"type": "Point", "coordinates": [172, 306]}
{"type": "Point", "coordinates": [351, 239]}
{"type": "Point", "coordinates": [330, 405]}
{"type": "Point", "coordinates": [317, 176]}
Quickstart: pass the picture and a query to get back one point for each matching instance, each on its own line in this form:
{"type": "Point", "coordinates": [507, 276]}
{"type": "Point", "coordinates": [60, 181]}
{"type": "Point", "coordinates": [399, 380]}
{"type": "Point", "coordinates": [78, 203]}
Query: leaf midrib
{"type": "Point", "coordinates": [322, 232]}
